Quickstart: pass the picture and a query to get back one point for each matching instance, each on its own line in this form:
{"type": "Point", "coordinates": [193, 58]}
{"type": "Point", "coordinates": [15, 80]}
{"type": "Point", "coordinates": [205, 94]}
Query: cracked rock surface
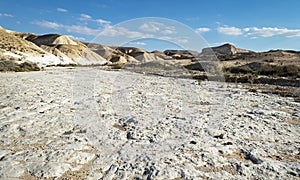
{"type": "Point", "coordinates": [86, 123]}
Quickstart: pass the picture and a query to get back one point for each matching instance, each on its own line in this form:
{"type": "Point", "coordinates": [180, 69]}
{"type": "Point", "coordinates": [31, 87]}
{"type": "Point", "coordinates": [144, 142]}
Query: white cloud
{"type": "Point", "coordinates": [108, 30]}
{"type": "Point", "coordinates": [273, 31]}
{"type": "Point", "coordinates": [246, 29]}
{"type": "Point", "coordinates": [230, 31]}
{"type": "Point", "coordinates": [61, 10]}
{"type": "Point", "coordinates": [155, 27]}
{"type": "Point", "coordinates": [181, 41]}
{"type": "Point", "coordinates": [6, 15]}
{"type": "Point", "coordinates": [81, 30]}
{"type": "Point", "coordinates": [255, 32]}
{"type": "Point", "coordinates": [112, 31]}
{"type": "Point", "coordinates": [169, 30]}
{"type": "Point", "coordinates": [84, 17]}
{"type": "Point", "coordinates": [166, 38]}
{"type": "Point", "coordinates": [76, 38]}
{"type": "Point", "coordinates": [47, 24]}
{"type": "Point", "coordinates": [138, 43]}
{"type": "Point", "coordinates": [102, 22]}
{"type": "Point", "coordinates": [202, 30]}
{"type": "Point", "coordinates": [150, 27]}
{"type": "Point", "coordinates": [175, 40]}
{"type": "Point", "coordinates": [73, 28]}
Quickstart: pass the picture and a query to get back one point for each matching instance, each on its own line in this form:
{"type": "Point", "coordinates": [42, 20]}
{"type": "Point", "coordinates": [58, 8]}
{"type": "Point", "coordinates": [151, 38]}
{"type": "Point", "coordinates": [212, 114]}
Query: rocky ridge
{"type": "Point", "coordinates": [225, 49]}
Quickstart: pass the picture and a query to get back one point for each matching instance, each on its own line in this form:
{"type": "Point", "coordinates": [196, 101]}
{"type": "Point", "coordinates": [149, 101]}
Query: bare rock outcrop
{"type": "Point", "coordinates": [140, 54]}
{"type": "Point", "coordinates": [19, 50]}
{"type": "Point", "coordinates": [123, 125]}
{"type": "Point", "coordinates": [225, 49]}
{"type": "Point", "coordinates": [111, 54]}
{"type": "Point", "coordinates": [68, 50]}
{"type": "Point", "coordinates": [45, 50]}
{"type": "Point", "coordinates": [181, 54]}
{"type": "Point", "coordinates": [54, 39]}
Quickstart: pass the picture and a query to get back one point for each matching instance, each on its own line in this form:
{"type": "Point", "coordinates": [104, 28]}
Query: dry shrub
{"type": "Point", "coordinates": [7, 65]}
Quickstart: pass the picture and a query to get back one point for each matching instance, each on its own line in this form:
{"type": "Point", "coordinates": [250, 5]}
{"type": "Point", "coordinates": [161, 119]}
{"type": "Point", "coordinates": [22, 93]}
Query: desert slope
{"type": "Point", "coordinates": [45, 50]}
{"type": "Point", "coordinates": [73, 50]}
{"type": "Point", "coordinates": [19, 50]}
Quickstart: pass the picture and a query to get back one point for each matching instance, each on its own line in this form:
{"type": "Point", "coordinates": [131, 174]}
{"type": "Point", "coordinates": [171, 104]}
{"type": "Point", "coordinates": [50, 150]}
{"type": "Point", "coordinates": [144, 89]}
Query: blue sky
{"type": "Point", "coordinates": [256, 25]}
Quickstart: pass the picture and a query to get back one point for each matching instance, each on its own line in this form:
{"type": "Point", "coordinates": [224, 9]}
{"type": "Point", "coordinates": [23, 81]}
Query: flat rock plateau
{"type": "Point", "coordinates": [88, 123]}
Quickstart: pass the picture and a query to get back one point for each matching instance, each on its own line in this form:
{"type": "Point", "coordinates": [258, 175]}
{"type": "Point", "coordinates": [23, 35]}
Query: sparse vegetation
{"type": "Point", "coordinates": [226, 57]}
{"type": "Point", "coordinates": [8, 65]}
{"type": "Point", "coordinates": [117, 65]}
{"type": "Point", "coordinates": [269, 60]}
{"type": "Point", "coordinates": [258, 68]}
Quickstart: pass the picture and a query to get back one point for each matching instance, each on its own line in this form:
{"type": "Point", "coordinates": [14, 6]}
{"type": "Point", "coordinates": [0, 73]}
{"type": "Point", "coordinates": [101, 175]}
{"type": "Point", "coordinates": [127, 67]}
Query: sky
{"type": "Point", "coordinates": [258, 25]}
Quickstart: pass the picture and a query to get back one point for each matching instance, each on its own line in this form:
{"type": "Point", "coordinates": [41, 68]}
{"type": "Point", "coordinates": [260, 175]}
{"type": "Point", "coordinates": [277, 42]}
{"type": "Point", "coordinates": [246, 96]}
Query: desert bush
{"type": "Point", "coordinates": [239, 69]}
{"type": "Point", "coordinates": [283, 71]}
{"type": "Point", "coordinates": [117, 65]}
{"type": "Point", "coordinates": [196, 66]}
{"type": "Point", "coordinates": [6, 65]}
{"type": "Point", "coordinates": [290, 70]}
{"type": "Point", "coordinates": [266, 69]}
{"type": "Point", "coordinates": [269, 60]}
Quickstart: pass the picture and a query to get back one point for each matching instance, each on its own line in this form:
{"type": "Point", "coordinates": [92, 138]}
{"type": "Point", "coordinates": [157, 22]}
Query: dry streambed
{"type": "Point", "coordinates": [89, 123]}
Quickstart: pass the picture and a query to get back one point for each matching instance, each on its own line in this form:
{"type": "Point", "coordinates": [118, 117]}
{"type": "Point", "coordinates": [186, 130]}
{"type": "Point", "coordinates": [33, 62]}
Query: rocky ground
{"type": "Point", "coordinates": [86, 123]}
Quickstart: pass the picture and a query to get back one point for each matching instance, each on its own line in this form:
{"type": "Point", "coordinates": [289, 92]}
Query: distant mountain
{"type": "Point", "coordinates": [17, 48]}
{"type": "Point", "coordinates": [225, 49]}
